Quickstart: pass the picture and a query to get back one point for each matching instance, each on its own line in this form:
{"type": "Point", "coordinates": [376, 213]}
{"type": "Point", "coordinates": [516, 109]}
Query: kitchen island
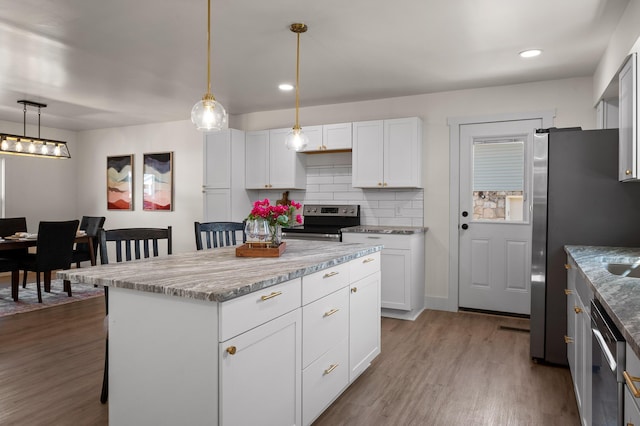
{"type": "Point", "coordinates": [211, 338]}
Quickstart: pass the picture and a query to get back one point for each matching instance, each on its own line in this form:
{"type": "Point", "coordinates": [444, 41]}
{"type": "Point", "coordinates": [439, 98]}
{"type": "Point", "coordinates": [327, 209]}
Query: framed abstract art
{"type": "Point", "coordinates": [157, 176]}
{"type": "Point", "coordinates": [120, 182]}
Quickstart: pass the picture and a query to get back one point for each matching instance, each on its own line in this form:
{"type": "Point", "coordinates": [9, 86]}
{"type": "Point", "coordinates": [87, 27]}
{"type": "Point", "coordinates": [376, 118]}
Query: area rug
{"type": "Point", "coordinates": [28, 297]}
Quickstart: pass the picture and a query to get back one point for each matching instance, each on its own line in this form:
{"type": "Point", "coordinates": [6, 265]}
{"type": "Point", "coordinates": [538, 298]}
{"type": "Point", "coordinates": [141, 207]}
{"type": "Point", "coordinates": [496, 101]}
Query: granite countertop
{"type": "Point", "coordinates": [378, 229]}
{"type": "Point", "coordinates": [217, 274]}
{"type": "Point", "coordinates": [620, 296]}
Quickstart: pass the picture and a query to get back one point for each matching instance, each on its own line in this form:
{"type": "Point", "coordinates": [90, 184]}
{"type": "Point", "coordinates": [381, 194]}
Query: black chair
{"type": "Point", "coordinates": [91, 225]}
{"type": "Point", "coordinates": [136, 243]}
{"type": "Point", "coordinates": [9, 226]}
{"type": "Point", "coordinates": [218, 234]}
{"type": "Point", "coordinates": [54, 250]}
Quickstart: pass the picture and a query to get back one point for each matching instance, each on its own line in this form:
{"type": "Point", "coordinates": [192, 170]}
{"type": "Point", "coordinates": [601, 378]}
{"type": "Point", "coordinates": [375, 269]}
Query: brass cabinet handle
{"type": "Point", "coordinates": [330, 274]}
{"type": "Point", "coordinates": [367, 260]}
{"type": "Point", "coordinates": [630, 383]}
{"type": "Point", "coordinates": [384, 184]}
{"type": "Point", "coordinates": [331, 312]}
{"type": "Point", "coordinates": [567, 266]}
{"type": "Point", "coordinates": [231, 350]}
{"type": "Point", "coordinates": [627, 172]}
{"type": "Point", "coordinates": [271, 296]}
{"type": "Point", "coordinates": [567, 291]}
{"type": "Point", "coordinates": [568, 339]}
{"type": "Point", "coordinates": [577, 309]}
{"type": "Point", "coordinates": [331, 368]}
{"type": "Point", "coordinates": [379, 183]}
{"type": "Point", "coordinates": [354, 290]}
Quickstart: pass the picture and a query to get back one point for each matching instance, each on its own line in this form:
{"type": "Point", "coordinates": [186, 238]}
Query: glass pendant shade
{"type": "Point", "coordinates": [209, 115]}
{"type": "Point", "coordinates": [296, 139]}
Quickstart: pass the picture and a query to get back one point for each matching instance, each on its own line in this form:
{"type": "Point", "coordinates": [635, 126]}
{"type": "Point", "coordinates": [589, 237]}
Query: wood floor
{"type": "Point", "coordinates": [443, 369]}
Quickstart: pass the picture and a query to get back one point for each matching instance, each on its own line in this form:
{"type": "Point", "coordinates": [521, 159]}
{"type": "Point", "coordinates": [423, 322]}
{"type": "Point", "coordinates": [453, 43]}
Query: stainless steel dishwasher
{"type": "Point", "coordinates": [608, 363]}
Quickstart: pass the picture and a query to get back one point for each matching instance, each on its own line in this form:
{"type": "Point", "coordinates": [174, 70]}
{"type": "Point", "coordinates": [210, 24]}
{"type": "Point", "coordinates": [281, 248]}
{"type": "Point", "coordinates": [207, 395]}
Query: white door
{"type": "Point", "coordinates": [495, 246]}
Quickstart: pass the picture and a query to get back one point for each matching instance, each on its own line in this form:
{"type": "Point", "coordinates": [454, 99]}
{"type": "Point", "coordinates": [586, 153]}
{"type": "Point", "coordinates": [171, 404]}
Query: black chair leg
{"type": "Point", "coordinates": [105, 379]}
{"type": "Point", "coordinates": [38, 285]}
{"type": "Point", "coordinates": [24, 279]}
{"type": "Point", "coordinates": [67, 287]}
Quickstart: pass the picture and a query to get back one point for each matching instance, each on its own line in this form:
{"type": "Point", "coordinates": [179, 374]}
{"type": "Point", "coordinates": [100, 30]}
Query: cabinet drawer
{"type": "Point", "coordinates": [246, 312]}
{"type": "Point", "coordinates": [321, 283]}
{"type": "Point", "coordinates": [323, 381]}
{"type": "Point", "coordinates": [389, 241]}
{"type": "Point", "coordinates": [363, 266]}
{"type": "Point", "coordinates": [324, 322]}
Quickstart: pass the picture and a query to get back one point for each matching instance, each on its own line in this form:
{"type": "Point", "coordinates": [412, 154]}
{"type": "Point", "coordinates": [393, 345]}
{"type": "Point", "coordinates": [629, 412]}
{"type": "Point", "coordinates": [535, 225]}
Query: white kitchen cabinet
{"type": "Point", "coordinates": [387, 153]}
{"type": "Point", "coordinates": [269, 164]}
{"type": "Point", "coordinates": [261, 374]}
{"type": "Point", "coordinates": [579, 322]}
{"type": "Point", "coordinates": [403, 272]}
{"type": "Point", "coordinates": [333, 137]}
{"type": "Point", "coordinates": [364, 314]}
{"type": "Point", "coordinates": [632, 369]}
{"type": "Point", "coordinates": [225, 196]}
{"type": "Point", "coordinates": [628, 120]}
{"type": "Point", "coordinates": [607, 114]}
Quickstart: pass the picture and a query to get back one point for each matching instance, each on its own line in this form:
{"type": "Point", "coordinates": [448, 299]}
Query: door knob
{"type": "Point", "coordinates": [465, 214]}
{"type": "Point", "coordinates": [465, 226]}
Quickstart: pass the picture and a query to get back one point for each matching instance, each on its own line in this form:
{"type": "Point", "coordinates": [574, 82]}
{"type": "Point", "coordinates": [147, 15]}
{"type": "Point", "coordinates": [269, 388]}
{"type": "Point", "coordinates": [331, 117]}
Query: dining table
{"type": "Point", "coordinates": [16, 243]}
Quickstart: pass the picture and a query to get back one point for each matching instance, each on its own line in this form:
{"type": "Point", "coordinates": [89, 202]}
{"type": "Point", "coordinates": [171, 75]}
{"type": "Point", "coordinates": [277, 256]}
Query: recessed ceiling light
{"type": "Point", "coordinates": [285, 87]}
{"type": "Point", "coordinates": [531, 53]}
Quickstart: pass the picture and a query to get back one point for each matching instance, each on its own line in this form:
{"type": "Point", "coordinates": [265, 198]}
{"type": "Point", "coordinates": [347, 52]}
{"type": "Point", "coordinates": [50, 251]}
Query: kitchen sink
{"type": "Point", "coordinates": [624, 267]}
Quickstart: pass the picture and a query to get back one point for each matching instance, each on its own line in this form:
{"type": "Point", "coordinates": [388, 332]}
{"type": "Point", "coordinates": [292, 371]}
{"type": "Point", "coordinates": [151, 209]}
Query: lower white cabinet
{"type": "Point", "coordinates": [631, 411]}
{"type": "Point", "coordinates": [261, 374]}
{"type": "Point", "coordinates": [402, 285]}
{"type": "Point", "coordinates": [631, 403]}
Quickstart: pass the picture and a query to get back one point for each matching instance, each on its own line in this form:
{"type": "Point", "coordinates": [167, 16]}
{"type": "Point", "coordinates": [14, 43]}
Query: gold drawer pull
{"type": "Point", "coordinates": [231, 350]}
{"type": "Point", "coordinates": [354, 290]}
{"type": "Point", "coordinates": [567, 291]}
{"type": "Point", "coordinates": [568, 339]}
{"type": "Point", "coordinates": [331, 368]}
{"type": "Point", "coordinates": [367, 260]}
{"type": "Point", "coordinates": [331, 312]}
{"type": "Point", "coordinates": [627, 172]}
{"type": "Point", "coordinates": [577, 309]}
{"type": "Point", "coordinates": [272, 295]}
{"type": "Point", "coordinates": [630, 383]}
{"type": "Point", "coordinates": [567, 266]}
{"type": "Point", "coordinates": [330, 274]}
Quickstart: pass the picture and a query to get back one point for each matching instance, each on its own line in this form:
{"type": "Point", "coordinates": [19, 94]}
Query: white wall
{"type": "Point", "coordinates": [40, 188]}
{"type": "Point", "coordinates": [570, 98]}
{"type": "Point", "coordinates": [182, 138]}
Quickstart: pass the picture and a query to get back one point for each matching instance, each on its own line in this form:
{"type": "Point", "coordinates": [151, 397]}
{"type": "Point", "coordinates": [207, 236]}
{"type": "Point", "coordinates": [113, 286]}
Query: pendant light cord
{"type": "Point", "coordinates": [209, 48]}
{"type": "Point", "coordinates": [297, 81]}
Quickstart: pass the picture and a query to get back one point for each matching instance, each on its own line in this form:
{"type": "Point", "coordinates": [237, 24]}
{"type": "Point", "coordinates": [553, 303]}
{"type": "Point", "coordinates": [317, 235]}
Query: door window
{"type": "Point", "coordinates": [499, 180]}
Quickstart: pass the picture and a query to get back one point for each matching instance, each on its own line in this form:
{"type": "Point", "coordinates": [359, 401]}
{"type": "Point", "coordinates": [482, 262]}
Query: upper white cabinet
{"type": "Point", "coordinates": [387, 153]}
{"type": "Point", "coordinates": [607, 114]}
{"type": "Point", "coordinates": [225, 197]}
{"type": "Point", "coordinates": [628, 120]}
{"type": "Point", "coordinates": [333, 137]}
{"type": "Point", "coordinates": [269, 164]}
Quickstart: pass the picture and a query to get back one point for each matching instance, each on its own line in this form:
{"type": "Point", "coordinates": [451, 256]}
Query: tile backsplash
{"type": "Point", "coordinates": [329, 182]}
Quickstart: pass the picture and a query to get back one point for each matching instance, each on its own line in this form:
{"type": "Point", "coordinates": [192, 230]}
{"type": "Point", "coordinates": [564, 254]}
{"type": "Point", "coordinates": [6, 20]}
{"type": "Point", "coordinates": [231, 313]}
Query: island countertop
{"type": "Point", "coordinates": [620, 296]}
{"type": "Point", "coordinates": [217, 274]}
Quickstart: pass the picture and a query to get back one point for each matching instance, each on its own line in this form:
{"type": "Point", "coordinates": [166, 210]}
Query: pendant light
{"type": "Point", "coordinates": [296, 139]}
{"type": "Point", "coordinates": [207, 114]}
{"type": "Point", "coordinates": [30, 146]}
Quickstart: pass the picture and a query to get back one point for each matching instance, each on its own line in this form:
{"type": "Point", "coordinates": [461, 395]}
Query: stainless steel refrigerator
{"type": "Point", "coordinates": [577, 200]}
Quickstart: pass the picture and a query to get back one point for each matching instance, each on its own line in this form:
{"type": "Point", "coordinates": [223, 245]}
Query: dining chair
{"type": "Point", "coordinates": [91, 225]}
{"type": "Point", "coordinates": [54, 250]}
{"type": "Point", "coordinates": [130, 244]}
{"type": "Point", "coordinates": [9, 226]}
{"type": "Point", "coordinates": [218, 234]}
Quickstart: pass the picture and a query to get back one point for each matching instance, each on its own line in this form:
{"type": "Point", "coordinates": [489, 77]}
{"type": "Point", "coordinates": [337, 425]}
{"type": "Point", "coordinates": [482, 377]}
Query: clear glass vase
{"type": "Point", "coordinates": [261, 232]}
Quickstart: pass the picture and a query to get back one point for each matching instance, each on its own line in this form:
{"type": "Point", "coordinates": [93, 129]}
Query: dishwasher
{"type": "Point", "coordinates": [608, 363]}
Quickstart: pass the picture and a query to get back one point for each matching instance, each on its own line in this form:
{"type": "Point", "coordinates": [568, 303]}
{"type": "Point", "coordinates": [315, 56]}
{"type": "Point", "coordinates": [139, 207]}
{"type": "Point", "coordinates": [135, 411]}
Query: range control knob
{"type": "Point", "coordinates": [344, 210]}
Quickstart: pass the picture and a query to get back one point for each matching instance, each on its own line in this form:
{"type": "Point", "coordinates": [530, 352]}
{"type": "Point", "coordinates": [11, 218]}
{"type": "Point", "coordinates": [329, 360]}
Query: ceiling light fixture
{"type": "Point", "coordinates": [531, 53]}
{"type": "Point", "coordinates": [296, 139]}
{"type": "Point", "coordinates": [285, 87]}
{"type": "Point", "coordinates": [33, 147]}
{"type": "Point", "coordinates": [207, 114]}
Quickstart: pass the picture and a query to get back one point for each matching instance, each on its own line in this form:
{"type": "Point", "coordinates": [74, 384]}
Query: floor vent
{"type": "Point", "coordinates": [507, 328]}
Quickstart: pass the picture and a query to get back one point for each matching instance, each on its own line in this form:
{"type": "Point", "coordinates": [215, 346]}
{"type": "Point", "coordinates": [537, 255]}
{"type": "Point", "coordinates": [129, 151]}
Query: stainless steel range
{"type": "Point", "coordinates": [322, 222]}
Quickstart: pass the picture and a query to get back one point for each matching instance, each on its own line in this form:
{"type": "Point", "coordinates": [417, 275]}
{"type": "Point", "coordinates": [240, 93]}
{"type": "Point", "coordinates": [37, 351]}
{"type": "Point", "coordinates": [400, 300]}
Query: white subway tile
{"type": "Point", "coordinates": [395, 221]}
{"type": "Point", "coordinates": [341, 187]}
{"type": "Point", "coordinates": [319, 179]}
{"type": "Point", "coordinates": [319, 197]}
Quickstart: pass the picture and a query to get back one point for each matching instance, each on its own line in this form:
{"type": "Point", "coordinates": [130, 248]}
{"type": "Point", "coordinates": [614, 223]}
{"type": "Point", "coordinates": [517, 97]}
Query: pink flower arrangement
{"type": "Point", "coordinates": [275, 215]}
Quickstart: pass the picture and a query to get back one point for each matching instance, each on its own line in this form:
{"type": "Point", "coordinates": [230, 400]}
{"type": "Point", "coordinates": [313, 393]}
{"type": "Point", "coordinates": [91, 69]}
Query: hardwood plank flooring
{"type": "Point", "coordinates": [443, 369]}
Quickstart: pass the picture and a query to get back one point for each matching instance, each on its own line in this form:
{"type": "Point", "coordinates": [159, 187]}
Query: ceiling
{"type": "Point", "coordinates": [101, 64]}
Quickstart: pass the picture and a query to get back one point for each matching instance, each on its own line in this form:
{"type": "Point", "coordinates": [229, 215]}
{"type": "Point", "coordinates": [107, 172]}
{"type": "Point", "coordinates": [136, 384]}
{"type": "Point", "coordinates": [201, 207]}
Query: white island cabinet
{"type": "Point", "coordinates": [207, 338]}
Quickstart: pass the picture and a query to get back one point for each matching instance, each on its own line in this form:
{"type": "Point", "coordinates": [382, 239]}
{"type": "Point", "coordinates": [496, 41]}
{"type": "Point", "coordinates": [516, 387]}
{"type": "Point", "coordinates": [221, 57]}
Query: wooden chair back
{"type": "Point", "coordinates": [218, 234]}
{"type": "Point", "coordinates": [134, 243]}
